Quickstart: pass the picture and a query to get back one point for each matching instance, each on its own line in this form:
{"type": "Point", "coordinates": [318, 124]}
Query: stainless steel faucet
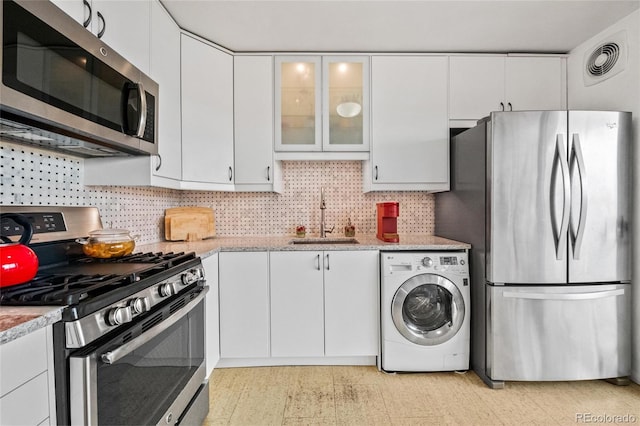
{"type": "Point", "coordinates": [323, 226]}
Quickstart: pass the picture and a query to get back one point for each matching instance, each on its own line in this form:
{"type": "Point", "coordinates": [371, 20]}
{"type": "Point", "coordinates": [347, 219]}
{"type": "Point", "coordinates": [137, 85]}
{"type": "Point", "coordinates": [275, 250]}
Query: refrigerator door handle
{"type": "Point", "coordinates": [564, 296]}
{"type": "Point", "coordinates": [577, 232]}
{"type": "Point", "coordinates": [560, 235]}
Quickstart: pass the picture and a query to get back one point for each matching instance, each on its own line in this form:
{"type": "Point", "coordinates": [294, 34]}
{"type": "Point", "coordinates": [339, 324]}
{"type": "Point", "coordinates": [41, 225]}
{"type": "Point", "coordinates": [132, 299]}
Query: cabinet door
{"type": "Point", "coordinates": [297, 317]}
{"type": "Point", "coordinates": [244, 304]}
{"type": "Point", "coordinates": [297, 103]}
{"type": "Point", "coordinates": [207, 113]}
{"type": "Point", "coordinates": [125, 26]}
{"type": "Point", "coordinates": [165, 70]}
{"type": "Point", "coordinates": [212, 315]}
{"type": "Point", "coordinates": [74, 8]}
{"type": "Point", "coordinates": [535, 83]}
{"type": "Point", "coordinates": [253, 117]}
{"type": "Point", "coordinates": [345, 103]}
{"type": "Point", "coordinates": [351, 303]}
{"type": "Point", "coordinates": [476, 86]}
{"type": "Point", "coordinates": [410, 136]}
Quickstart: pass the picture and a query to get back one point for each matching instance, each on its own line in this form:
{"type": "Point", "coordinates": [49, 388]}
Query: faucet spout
{"type": "Point", "coordinates": [323, 207]}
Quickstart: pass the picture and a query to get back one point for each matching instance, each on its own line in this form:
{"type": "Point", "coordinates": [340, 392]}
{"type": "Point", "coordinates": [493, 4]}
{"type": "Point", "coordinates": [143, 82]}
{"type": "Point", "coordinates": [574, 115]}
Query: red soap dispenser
{"type": "Point", "coordinates": [388, 221]}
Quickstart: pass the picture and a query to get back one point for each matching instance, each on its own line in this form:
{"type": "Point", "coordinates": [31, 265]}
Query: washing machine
{"type": "Point", "coordinates": [425, 312]}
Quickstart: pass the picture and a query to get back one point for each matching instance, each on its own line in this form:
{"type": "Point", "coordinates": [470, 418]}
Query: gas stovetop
{"type": "Point", "coordinates": [87, 280]}
{"type": "Point", "coordinates": [89, 286]}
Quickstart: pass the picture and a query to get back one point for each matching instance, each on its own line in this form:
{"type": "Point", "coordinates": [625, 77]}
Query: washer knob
{"type": "Point", "coordinates": [139, 305]}
{"type": "Point", "coordinates": [427, 262]}
{"type": "Point", "coordinates": [117, 316]}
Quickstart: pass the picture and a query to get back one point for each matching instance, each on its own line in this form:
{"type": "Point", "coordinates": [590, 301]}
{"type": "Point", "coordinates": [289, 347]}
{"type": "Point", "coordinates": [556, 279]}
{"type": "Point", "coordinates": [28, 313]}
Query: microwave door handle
{"type": "Point", "coordinates": [143, 110]}
{"type": "Point", "coordinates": [122, 351]}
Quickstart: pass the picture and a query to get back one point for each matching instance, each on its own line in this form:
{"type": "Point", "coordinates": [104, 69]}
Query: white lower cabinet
{"type": "Point", "coordinates": [351, 302]}
{"type": "Point", "coordinates": [27, 393]}
{"type": "Point", "coordinates": [297, 311]}
{"type": "Point", "coordinates": [212, 315]}
{"type": "Point", "coordinates": [244, 304]}
{"type": "Point", "coordinates": [324, 303]}
{"type": "Point", "coordinates": [292, 306]}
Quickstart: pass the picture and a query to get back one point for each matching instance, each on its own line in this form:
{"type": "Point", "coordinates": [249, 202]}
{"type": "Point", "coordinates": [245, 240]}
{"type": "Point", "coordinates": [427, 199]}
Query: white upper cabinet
{"type": "Point", "coordinates": [535, 83]}
{"type": "Point", "coordinates": [482, 84]}
{"type": "Point", "coordinates": [165, 169]}
{"type": "Point", "coordinates": [123, 25]}
{"type": "Point", "coordinates": [322, 104]}
{"type": "Point", "coordinates": [255, 169]}
{"type": "Point", "coordinates": [207, 116]}
{"type": "Point", "coordinates": [345, 103]}
{"type": "Point", "coordinates": [410, 135]}
{"type": "Point", "coordinates": [165, 70]}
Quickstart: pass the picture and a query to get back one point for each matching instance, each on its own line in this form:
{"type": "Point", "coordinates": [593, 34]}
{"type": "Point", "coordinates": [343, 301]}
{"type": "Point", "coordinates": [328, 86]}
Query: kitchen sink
{"type": "Point", "coordinates": [329, 241]}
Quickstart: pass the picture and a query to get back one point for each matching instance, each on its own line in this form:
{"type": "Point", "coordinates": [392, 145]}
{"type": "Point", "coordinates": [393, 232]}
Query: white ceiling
{"type": "Point", "coordinates": [398, 26]}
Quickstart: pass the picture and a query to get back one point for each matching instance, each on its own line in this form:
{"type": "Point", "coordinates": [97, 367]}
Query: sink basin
{"type": "Point", "coordinates": [328, 241]}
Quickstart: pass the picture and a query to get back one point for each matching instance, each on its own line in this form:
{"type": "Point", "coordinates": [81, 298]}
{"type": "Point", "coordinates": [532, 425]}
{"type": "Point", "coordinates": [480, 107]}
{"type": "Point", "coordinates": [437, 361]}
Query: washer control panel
{"type": "Point", "coordinates": [425, 262]}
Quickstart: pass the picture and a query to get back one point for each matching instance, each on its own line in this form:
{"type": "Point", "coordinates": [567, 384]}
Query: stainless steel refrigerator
{"type": "Point", "coordinates": [544, 199]}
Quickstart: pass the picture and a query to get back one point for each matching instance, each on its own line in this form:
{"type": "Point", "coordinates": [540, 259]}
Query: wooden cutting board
{"type": "Point", "coordinates": [189, 223]}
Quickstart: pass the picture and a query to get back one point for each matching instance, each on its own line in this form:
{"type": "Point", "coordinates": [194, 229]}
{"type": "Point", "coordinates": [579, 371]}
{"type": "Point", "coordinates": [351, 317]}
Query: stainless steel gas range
{"type": "Point", "coordinates": [130, 348]}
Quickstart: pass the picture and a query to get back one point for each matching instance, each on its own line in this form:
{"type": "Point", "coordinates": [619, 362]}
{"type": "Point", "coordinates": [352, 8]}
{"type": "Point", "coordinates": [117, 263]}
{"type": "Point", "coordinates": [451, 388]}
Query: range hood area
{"type": "Point", "coordinates": [17, 129]}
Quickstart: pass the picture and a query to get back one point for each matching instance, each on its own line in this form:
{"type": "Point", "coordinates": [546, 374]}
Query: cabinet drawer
{"type": "Point", "coordinates": [22, 359]}
{"type": "Point", "coordinates": [28, 404]}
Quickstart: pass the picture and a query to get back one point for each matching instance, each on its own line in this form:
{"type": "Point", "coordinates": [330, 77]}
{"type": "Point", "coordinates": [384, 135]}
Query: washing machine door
{"type": "Point", "coordinates": [428, 309]}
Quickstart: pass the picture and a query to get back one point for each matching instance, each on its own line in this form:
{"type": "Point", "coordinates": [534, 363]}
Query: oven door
{"type": "Point", "coordinates": [147, 374]}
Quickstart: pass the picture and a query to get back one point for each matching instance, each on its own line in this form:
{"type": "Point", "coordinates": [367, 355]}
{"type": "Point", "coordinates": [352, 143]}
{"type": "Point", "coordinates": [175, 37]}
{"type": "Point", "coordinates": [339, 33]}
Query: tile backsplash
{"type": "Point", "coordinates": [34, 177]}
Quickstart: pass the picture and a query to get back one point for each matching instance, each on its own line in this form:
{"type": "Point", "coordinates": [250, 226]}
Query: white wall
{"type": "Point", "coordinates": [620, 92]}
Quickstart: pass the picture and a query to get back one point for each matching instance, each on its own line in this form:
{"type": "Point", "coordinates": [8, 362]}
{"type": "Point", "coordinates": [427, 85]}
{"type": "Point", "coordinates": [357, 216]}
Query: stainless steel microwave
{"type": "Point", "coordinates": [64, 89]}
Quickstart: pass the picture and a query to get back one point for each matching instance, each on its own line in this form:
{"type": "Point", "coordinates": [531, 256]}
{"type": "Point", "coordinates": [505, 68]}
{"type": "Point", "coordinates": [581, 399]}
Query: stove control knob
{"type": "Point", "coordinates": [117, 316]}
{"type": "Point", "coordinates": [427, 262]}
{"type": "Point", "coordinates": [166, 290]}
{"type": "Point", "coordinates": [139, 305]}
{"type": "Point", "coordinates": [190, 277]}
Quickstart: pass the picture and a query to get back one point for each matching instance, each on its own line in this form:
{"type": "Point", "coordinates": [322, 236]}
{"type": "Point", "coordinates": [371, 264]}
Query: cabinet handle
{"type": "Point", "coordinates": [501, 106]}
{"type": "Point", "coordinates": [88, 20]}
{"type": "Point", "coordinates": [230, 174]}
{"type": "Point", "coordinates": [328, 268]}
{"type": "Point", "coordinates": [268, 173]}
{"type": "Point", "coordinates": [318, 262]}
{"type": "Point", "coordinates": [159, 162]}
{"type": "Point", "coordinates": [375, 176]}
{"type": "Point", "coordinates": [104, 25]}
{"type": "Point", "coordinates": [510, 106]}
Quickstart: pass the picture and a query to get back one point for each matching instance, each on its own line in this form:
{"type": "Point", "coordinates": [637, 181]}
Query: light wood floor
{"type": "Point", "coordinates": [328, 395]}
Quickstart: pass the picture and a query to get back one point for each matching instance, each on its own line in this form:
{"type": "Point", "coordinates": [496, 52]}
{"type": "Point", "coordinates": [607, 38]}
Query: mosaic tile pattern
{"type": "Point", "coordinates": [35, 177]}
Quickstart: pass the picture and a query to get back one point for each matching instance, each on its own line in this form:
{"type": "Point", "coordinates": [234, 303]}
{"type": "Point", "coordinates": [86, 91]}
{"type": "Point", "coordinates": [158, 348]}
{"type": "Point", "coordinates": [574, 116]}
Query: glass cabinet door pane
{"type": "Point", "coordinates": [346, 103]}
{"type": "Point", "coordinates": [299, 103]}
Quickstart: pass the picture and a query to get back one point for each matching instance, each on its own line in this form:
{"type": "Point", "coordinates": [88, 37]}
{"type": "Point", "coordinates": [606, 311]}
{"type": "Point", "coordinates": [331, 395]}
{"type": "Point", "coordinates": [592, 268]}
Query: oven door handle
{"type": "Point", "coordinates": [122, 351]}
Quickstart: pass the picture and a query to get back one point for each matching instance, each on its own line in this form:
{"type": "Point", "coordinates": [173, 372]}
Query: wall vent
{"type": "Point", "coordinates": [606, 59]}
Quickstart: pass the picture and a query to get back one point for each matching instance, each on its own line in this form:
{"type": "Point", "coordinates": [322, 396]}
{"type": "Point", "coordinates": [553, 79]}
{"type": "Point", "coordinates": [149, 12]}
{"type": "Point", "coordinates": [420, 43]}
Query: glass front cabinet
{"type": "Point", "coordinates": [322, 103]}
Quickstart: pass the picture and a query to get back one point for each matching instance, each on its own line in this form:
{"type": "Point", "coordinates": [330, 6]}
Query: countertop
{"type": "Point", "coordinates": [208, 247]}
{"type": "Point", "coordinates": [16, 322]}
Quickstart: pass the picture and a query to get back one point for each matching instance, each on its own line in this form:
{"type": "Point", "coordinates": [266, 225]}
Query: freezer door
{"type": "Point", "coordinates": [528, 197]}
{"type": "Point", "coordinates": [558, 333]}
{"type": "Point", "coordinates": [599, 235]}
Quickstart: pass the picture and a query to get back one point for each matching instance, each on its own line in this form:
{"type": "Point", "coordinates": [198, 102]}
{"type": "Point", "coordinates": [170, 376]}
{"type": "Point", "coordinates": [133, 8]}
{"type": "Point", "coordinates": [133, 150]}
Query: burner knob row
{"type": "Point", "coordinates": [117, 316]}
